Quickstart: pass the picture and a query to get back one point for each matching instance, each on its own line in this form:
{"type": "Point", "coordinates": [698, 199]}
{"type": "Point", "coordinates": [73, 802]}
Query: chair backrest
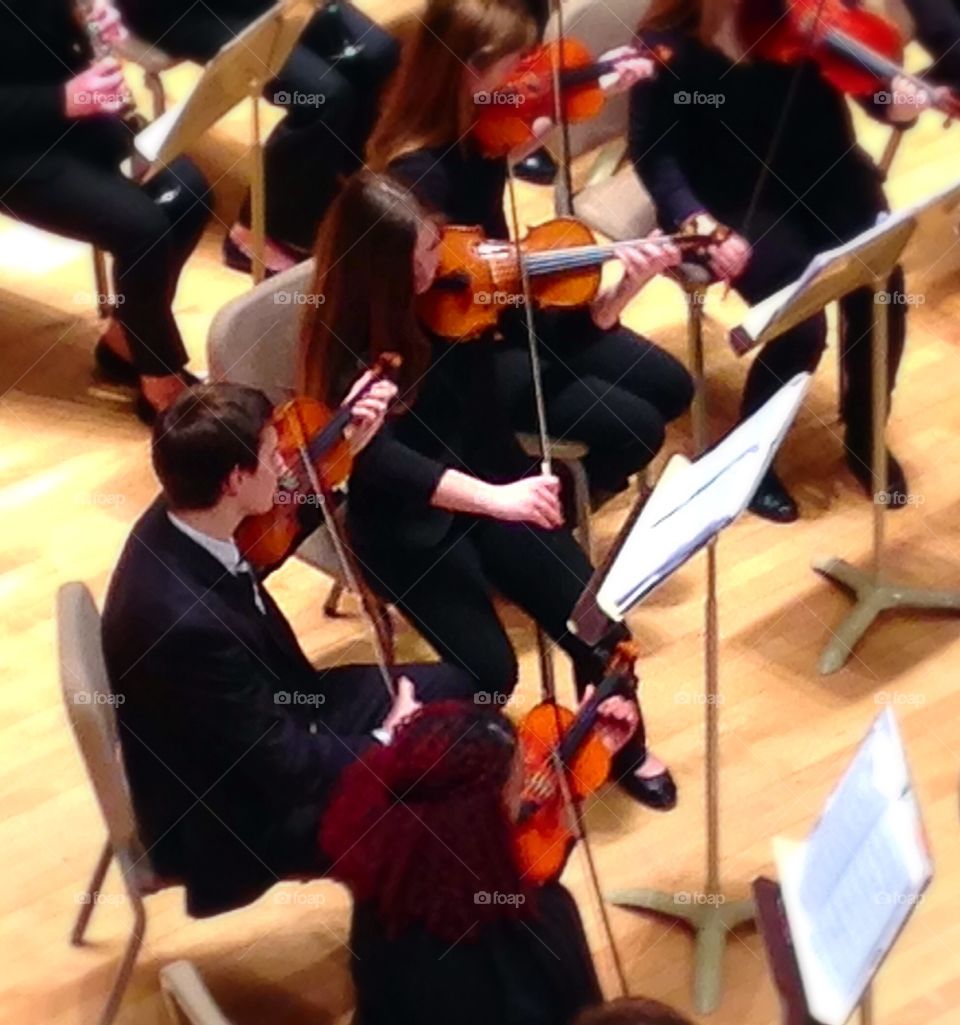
{"type": "Point", "coordinates": [601, 27]}
{"type": "Point", "coordinates": [90, 706]}
{"type": "Point", "coordinates": [187, 999]}
{"type": "Point", "coordinates": [253, 339]}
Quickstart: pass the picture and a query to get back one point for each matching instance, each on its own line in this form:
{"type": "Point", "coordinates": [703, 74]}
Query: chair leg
{"type": "Point", "coordinates": [102, 283]}
{"type": "Point", "coordinates": [93, 891]}
{"type": "Point", "coordinates": [581, 495]}
{"type": "Point", "coordinates": [125, 970]}
{"type": "Point", "coordinates": [548, 684]}
{"type": "Point", "coordinates": [331, 607]}
{"type": "Point", "coordinates": [151, 79]}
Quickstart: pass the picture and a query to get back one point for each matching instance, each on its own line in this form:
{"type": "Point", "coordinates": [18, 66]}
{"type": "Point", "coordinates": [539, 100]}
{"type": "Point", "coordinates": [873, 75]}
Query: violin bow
{"type": "Point", "coordinates": [563, 197]}
{"type": "Point", "coordinates": [347, 561]}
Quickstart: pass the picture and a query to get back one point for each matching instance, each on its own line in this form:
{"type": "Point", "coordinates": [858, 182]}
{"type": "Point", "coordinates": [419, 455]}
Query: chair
{"type": "Point", "coordinates": [89, 705]}
{"type": "Point", "coordinates": [186, 997]}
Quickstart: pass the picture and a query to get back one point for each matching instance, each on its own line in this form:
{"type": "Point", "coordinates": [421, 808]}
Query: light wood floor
{"type": "Point", "coordinates": [74, 475]}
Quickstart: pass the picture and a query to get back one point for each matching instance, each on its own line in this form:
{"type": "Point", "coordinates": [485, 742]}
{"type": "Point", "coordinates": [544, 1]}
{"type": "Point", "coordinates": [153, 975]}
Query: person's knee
{"type": "Point", "coordinates": [493, 670]}
{"type": "Point", "coordinates": [675, 391]}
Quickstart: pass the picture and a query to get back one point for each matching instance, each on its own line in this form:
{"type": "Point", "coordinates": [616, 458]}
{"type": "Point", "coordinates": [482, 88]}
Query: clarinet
{"type": "Point", "coordinates": [102, 48]}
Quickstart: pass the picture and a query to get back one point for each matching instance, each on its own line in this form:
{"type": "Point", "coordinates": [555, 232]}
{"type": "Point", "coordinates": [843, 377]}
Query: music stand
{"type": "Point", "coordinates": [688, 508]}
{"type": "Point", "coordinates": [866, 261]}
{"type": "Point", "coordinates": [240, 70]}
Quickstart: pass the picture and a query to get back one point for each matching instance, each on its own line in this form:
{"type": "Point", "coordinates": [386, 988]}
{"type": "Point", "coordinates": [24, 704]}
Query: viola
{"type": "Point", "coordinates": [317, 458]}
{"type": "Point", "coordinates": [478, 278]}
{"type": "Point", "coordinates": [857, 51]}
{"type": "Point", "coordinates": [555, 742]}
{"type": "Point", "coordinates": [505, 116]}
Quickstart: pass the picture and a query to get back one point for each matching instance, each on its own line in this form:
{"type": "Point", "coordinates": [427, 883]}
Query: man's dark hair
{"type": "Point", "coordinates": [208, 432]}
{"type": "Point", "coordinates": [632, 1011]}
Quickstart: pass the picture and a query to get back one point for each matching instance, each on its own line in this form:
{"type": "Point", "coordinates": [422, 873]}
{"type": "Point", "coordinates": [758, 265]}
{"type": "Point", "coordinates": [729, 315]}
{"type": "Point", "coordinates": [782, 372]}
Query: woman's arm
{"type": "Point", "coordinates": [533, 500]}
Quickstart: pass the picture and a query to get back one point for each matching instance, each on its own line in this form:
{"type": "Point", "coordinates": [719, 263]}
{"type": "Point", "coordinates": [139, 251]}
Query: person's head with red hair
{"type": "Point", "coordinates": [422, 828]}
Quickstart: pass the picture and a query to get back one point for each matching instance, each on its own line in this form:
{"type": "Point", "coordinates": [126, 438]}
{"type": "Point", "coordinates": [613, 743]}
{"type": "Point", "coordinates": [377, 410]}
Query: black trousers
{"type": "Point", "coordinates": [613, 390]}
{"type": "Point", "coordinates": [331, 104]}
{"type": "Point", "coordinates": [447, 592]}
{"type": "Point", "coordinates": [149, 230]}
{"type": "Point", "coordinates": [783, 245]}
{"type": "Point", "coordinates": [355, 702]}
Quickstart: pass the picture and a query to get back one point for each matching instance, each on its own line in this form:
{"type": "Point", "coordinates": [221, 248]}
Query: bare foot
{"type": "Point", "coordinates": [275, 257]}
{"type": "Point", "coordinates": [652, 766]}
{"type": "Point", "coordinates": [161, 392]}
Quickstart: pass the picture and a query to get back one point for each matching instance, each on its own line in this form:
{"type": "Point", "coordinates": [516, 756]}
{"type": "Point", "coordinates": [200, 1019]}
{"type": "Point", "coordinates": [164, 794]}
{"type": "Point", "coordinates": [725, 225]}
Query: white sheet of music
{"type": "Point", "coordinates": [697, 501]}
{"type": "Point", "coordinates": [850, 887]}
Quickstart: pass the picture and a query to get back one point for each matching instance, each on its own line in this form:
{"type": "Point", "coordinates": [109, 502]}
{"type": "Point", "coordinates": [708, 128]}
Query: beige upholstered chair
{"type": "Point", "coordinates": [89, 706]}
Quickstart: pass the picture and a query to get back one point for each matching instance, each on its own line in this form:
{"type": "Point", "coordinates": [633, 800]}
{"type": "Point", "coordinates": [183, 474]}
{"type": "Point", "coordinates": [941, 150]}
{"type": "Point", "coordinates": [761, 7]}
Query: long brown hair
{"type": "Point", "coordinates": [702, 18]}
{"type": "Point", "coordinates": [427, 105]}
{"type": "Point", "coordinates": [364, 290]}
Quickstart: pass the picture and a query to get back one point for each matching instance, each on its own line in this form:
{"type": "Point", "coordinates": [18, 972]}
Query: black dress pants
{"type": "Point", "coordinates": [331, 103]}
{"type": "Point", "coordinates": [613, 390]}
{"type": "Point", "coordinates": [77, 190]}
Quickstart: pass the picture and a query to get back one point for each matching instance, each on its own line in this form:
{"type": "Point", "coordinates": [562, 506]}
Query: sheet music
{"type": "Point", "coordinates": [698, 501]}
{"type": "Point", "coordinates": [849, 889]}
{"type": "Point", "coordinates": [759, 317]}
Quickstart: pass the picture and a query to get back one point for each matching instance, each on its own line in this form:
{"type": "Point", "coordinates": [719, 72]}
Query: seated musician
{"type": "Point", "coordinates": [231, 739]}
{"type": "Point", "coordinates": [329, 87]}
{"type": "Point", "coordinates": [445, 509]}
{"type": "Point", "coordinates": [604, 385]}
{"type": "Point", "coordinates": [706, 139]}
{"type": "Point", "coordinates": [446, 926]}
{"type": "Point", "coordinates": [64, 140]}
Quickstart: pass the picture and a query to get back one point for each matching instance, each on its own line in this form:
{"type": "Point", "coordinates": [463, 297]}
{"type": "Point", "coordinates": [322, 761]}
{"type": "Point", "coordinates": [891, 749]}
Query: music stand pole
{"type": "Point", "coordinates": [709, 914]}
{"type": "Point", "coordinates": [258, 215]}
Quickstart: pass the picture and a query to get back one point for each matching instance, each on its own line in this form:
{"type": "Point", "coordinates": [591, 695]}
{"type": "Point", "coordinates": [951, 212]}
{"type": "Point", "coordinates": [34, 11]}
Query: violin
{"type": "Point", "coordinates": [856, 50]}
{"type": "Point", "coordinates": [317, 458]}
{"type": "Point", "coordinates": [478, 278]}
{"type": "Point", "coordinates": [505, 116]}
{"type": "Point", "coordinates": [555, 741]}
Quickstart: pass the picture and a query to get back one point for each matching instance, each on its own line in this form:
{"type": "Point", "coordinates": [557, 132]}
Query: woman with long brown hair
{"type": "Point", "coordinates": [604, 385]}
{"type": "Point", "coordinates": [445, 509]}
{"type": "Point", "coordinates": [446, 930]}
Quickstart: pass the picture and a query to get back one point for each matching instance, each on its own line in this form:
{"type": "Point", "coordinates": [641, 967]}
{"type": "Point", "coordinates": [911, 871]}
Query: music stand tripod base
{"type": "Point", "coordinates": [710, 918]}
{"type": "Point", "coordinates": [873, 596]}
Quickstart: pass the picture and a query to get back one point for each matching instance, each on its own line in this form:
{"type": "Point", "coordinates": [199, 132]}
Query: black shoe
{"type": "Point", "coordinates": [237, 259]}
{"type": "Point", "coordinates": [657, 792]}
{"type": "Point", "coordinates": [897, 494]}
{"type": "Point", "coordinates": [539, 168]}
{"type": "Point", "coordinates": [113, 367]}
{"type": "Point", "coordinates": [773, 502]}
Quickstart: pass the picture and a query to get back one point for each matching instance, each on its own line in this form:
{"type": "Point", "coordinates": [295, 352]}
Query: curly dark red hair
{"type": "Point", "coordinates": [420, 827]}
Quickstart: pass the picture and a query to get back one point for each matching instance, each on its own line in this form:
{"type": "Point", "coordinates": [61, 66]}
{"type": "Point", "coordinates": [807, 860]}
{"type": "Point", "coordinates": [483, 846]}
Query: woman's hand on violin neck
{"type": "Point", "coordinates": [630, 68]}
{"type": "Point", "coordinates": [908, 99]}
{"type": "Point", "coordinates": [616, 722]}
{"type": "Point", "coordinates": [533, 500]}
{"type": "Point", "coordinates": [729, 258]}
{"type": "Point", "coordinates": [109, 21]}
{"type": "Point", "coordinates": [368, 413]}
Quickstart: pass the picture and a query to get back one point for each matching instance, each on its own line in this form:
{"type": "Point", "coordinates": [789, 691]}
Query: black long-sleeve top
{"type": "Point", "coordinates": [537, 972]}
{"type": "Point", "coordinates": [938, 29]}
{"type": "Point", "coordinates": [701, 131]}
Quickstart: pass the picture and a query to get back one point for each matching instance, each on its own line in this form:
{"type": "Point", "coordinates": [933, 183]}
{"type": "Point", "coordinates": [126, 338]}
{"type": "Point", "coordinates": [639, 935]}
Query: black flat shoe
{"type": "Point", "coordinates": [539, 168]}
{"type": "Point", "coordinates": [658, 792]}
{"type": "Point", "coordinates": [113, 367]}
{"type": "Point", "coordinates": [897, 494]}
{"type": "Point", "coordinates": [773, 502]}
{"type": "Point", "coordinates": [237, 259]}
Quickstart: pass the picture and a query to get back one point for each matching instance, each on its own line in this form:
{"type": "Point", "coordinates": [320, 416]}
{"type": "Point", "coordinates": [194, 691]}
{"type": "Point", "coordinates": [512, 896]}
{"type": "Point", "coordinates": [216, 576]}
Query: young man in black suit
{"type": "Point", "coordinates": [231, 739]}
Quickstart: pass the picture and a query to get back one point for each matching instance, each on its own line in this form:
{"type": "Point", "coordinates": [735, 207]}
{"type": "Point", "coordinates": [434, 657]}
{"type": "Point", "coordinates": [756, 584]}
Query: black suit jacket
{"type": "Point", "coordinates": [227, 777]}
